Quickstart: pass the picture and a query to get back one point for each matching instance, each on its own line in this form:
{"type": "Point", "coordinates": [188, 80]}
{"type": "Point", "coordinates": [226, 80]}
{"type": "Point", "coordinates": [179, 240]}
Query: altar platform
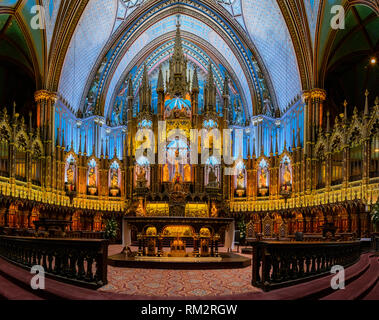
{"type": "Point", "coordinates": [223, 261]}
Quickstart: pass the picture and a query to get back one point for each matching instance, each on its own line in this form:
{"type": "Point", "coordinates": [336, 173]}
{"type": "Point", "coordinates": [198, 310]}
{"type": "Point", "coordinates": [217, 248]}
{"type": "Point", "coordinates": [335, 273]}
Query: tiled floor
{"type": "Point", "coordinates": [177, 283]}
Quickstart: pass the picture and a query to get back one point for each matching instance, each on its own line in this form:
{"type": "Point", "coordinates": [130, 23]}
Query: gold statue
{"type": "Point", "coordinates": [240, 181]}
{"type": "Point", "coordinates": [92, 177]}
{"type": "Point", "coordinates": [114, 178]}
{"type": "Point", "coordinates": [287, 175]}
{"type": "Point", "coordinates": [214, 211]}
{"type": "Point", "coordinates": [141, 177]}
{"type": "Point", "coordinates": [70, 173]}
{"type": "Point", "coordinates": [178, 177]}
{"type": "Point", "coordinates": [212, 177]}
{"type": "Point", "coordinates": [187, 173]}
{"type": "Point", "coordinates": [263, 178]}
{"type": "Point", "coordinates": [166, 174]}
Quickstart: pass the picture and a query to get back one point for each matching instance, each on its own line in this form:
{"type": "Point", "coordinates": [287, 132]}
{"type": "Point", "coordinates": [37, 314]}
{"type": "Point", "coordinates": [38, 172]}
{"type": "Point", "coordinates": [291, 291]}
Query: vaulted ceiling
{"type": "Point", "coordinates": [272, 48]}
{"type": "Point", "coordinates": [346, 70]}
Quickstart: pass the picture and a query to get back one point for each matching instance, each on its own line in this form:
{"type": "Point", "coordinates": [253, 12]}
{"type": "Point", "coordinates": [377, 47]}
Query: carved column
{"type": "Point", "coordinates": [45, 101]}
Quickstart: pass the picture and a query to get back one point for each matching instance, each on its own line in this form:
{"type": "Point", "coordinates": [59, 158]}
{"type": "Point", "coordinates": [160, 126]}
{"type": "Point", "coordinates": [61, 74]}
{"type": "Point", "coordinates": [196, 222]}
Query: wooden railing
{"type": "Point", "coordinates": [280, 264]}
{"type": "Point", "coordinates": [77, 261]}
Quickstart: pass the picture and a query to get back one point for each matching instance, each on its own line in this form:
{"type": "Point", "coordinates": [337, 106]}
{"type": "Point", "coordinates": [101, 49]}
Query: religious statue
{"type": "Point", "coordinates": [140, 210]}
{"type": "Point", "coordinates": [287, 176]}
{"type": "Point", "coordinates": [92, 177]}
{"type": "Point", "coordinates": [116, 112]}
{"type": "Point", "coordinates": [214, 211]}
{"type": "Point", "coordinates": [71, 173]}
{"type": "Point", "coordinates": [263, 178]}
{"type": "Point", "coordinates": [166, 174]}
{"type": "Point", "coordinates": [141, 177]}
{"type": "Point", "coordinates": [114, 178]}
{"type": "Point", "coordinates": [187, 173]}
{"type": "Point", "coordinates": [177, 176]}
{"type": "Point", "coordinates": [212, 178]}
{"type": "Point", "coordinates": [240, 181]}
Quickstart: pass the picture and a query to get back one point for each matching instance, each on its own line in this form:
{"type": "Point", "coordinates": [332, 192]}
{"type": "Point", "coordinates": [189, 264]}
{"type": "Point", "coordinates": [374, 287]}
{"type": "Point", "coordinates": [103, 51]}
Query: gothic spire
{"type": "Point", "coordinates": [328, 122]}
{"type": "Point", "coordinates": [85, 143]}
{"type": "Point", "coordinates": [178, 50]}
{"type": "Point", "coordinates": [248, 148]}
{"type": "Point", "coordinates": [195, 80]}
{"type": "Point", "coordinates": [80, 143]}
{"type": "Point", "coordinates": [225, 91]}
{"type": "Point", "coordinates": [130, 87]}
{"type": "Point", "coordinates": [210, 91]}
{"type": "Point", "coordinates": [366, 113]}
{"type": "Point", "coordinates": [145, 91]}
{"type": "Point", "coordinates": [160, 85]}
{"type": "Point", "coordinates": [276, 144]}
{"type": "Point", "coordinates": [210, 79]}
{"type": "Point", "coordinates": [345, 110]}
{"type": "Point", "coordinates": [271, 148]}
{"type": "Point", "coordinates": [145, 78]}
{"type": "Point", "coordinates": [178, 84]}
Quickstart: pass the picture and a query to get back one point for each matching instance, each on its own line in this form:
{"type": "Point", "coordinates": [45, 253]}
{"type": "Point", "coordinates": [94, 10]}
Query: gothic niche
{"type": "Point", "coordinates": [212, 173]}
{"type": "Point", "coordinates": [70, 174]}
{"type": "Point", "coordinates": [114, 179]}
{"type": "Point", "coordinates": [142, 170]}
{"type": "Point", "coordinates": [240, 178]}
{"type": "Point", "coordinates": [92, 177]}
{"type": "Point", "coordinates": [177, 168]}
{"type": "Point", "coordinates": [263, 178]}
{"type": "Point", "coordinates": [285, 175]}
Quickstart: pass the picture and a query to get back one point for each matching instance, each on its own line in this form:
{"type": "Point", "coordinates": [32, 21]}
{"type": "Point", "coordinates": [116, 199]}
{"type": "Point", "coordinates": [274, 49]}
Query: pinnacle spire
{"type": "Point", "coordinates": [160, 85]}
{"type": "Point", "coordinates": [178, 84]}
{"type": "Point", "coordinates": [130, 87]}
{"type": "Point", "coordinates": [345, 110]}
{"type": "Point", "coordinates": [178, 50]}
{"type": "Point", "coordinates": [210, 74]}
{"type": "Point", "coordinates": [80, 143]}
{"type": "Point", "coordinates": [85, 143]}
{"type": "Point", "coordinates": [328, 121]}
{"type": "Point", "coordinates": [225, 91]}
{"type": "Point", "coordinates": [271, 147]}
{"type": "Point", "coordinates": [195, 80]}
{"type": "Point", "coordinates": [366, 113]}
{"type": "Point", "coordinates": [145, 93]}
{"type": "Point", "coordinates": [276, 145]}
{"type": "Point", "coordinates": [210, 91]}
{"type": "Point", "coordinates": [145, 78]}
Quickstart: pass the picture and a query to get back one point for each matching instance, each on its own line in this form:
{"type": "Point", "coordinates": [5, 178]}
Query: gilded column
{"type": "Point", "coordinates": [45, 101]}
{"type": "Point", "coordinates": [306, 182]}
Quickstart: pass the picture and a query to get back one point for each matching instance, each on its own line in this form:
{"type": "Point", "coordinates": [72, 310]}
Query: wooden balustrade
{"type": "Point", "coordinates": [77, 261]}
{"type": "Point", "coordinates": [280, 264]}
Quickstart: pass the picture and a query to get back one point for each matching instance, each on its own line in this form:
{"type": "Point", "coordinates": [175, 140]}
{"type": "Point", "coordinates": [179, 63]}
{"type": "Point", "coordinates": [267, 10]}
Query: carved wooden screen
{"type": "Point", "coordinates": [268, 226]}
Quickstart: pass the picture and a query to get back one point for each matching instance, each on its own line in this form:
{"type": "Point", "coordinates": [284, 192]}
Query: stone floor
{"type": "Point", "coordinates": [177, 283]}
